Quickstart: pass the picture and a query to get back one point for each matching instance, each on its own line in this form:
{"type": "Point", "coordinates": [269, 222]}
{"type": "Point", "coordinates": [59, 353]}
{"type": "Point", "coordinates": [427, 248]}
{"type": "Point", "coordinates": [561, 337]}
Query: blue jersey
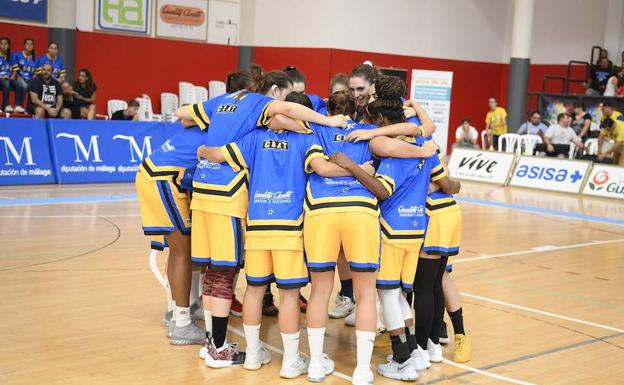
{"type": "Point", "coordinates": [318, 104]}
{"type": "Point", "coordinates": [278, 165]}
{"type": "Point", "coordinates": [26, 65]}
{"type": "Point", "coordinates": [58, 67]}
{"type": "Point", "coordinates": [6, 66]}
{"type": "Point", "coordinates": [176, 158]}
{"type": "Point", "coordinates": [340, 194]}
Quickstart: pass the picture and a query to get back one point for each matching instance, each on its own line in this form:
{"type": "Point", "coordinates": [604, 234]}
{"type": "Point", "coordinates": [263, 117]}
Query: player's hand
{"type": "Point", "coordinates": [368, 167]}
{"type": "Point", "coordinates": [359, 135]}
{"type": "Point", "coordinates": [201, 152]}
{"type": "Point", "coordinates": [409, 112]}
{"type": "Point", "coordinates": [430, 148]}
{"type": "Point", "coordinates": [338, 121]}
{"type": "Point", "coordinates": [341, 160]}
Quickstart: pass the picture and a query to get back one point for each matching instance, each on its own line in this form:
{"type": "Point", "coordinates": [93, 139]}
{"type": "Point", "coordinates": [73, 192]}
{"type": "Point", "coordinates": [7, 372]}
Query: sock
{"type": "Point", "coordinates": [170, 303]}
{"type": "Point", "coordinates": [208, 321]}
{"type": "Point", "coordinates": [458, 321]}
{"type": "Point", "coordinates": [219, 330]}
{"type": "Point", "coordinates": [423, 298]}
{"type": "Point", "coordinates": [194, 294]}
{"type": "Point", "coordinates": [316, 338]}
{"type": "Point", "coordinates": [291, 345]}
{"type": "Point", "coordinates": [173, 306]}
{"type": "Point", "coordinates": [410, 335]}
{"type": "Point", "coordinates": [365, 343]}
{"type": "Point", "coordinates": [252, 336]}
{"type": "Point", "coordinates": [400, 348]}
{"type": "Point", "coordinates": [346, 288]}
{"type": "Point", "coordinates": [182, 316]}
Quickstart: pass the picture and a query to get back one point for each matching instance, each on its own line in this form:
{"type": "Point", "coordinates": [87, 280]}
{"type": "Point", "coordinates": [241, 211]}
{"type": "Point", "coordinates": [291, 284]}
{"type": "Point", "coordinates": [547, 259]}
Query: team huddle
{"type": "Point", "coordinates": [292, 187]}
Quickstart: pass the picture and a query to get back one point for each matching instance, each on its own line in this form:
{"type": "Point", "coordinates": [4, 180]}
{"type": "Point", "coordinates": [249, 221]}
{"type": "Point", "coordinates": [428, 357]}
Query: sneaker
{"type": "Point", "coordinates": [303, 304]}
{"type": "Point", "coordinates": [268, 306]}
{"type": "Point", "coordinates": [237, 308]}
{"type": "Point", "coordinates": [167, 317]}
{"type": "Point", "coordinates": [444, 338]}
{"type": "Point", "coordinates": [190, 334]}
{"type": "Point", "coordinates": [255, 360]}
{"type": "Point", "coordinates": [461, 348]}
{"type": "Point", "coordinates": [204, 349]}
{"type": "Point", "coordinates": [344, 307]}
{"type": "Point", "coordinates": [404, 372]}
{"type": "Point", "coordinates": [318, 369]}
{"type": "Point", "coordinates": [350, 319]}
{"type": "Point", "coordinates": [19, 109]}
{"type": "Point", "coordinates": [197, 311]}
{"type": "Point", "coordinates": [421, 359]}
{"type": "Point", "coordinates": [362, 375]}
{"type": "Point", "coordinates": [294, 367]}
{"type": "Point", "coordinates": [8, 109]}
{"type": "Point", "coordinates": [434, 351]}
{"type": "Point", "coordinates": [226, 356]}
{"type": "Point", "coordinates": [170, 327]}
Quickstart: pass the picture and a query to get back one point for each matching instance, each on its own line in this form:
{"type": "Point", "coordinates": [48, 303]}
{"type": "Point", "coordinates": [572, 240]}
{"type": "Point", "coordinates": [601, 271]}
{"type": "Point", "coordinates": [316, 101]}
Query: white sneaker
{"type": "Point", "coordinates": [255, 360]}
{"type": "Point", "coordinates": [19, 109]}
{"type": "Point", "coordinates": [344, 307]}
{"type": "Point", "coordinates": [404, 372]}
{"type": "Point", "coordinates": [318, 369]}
{"type": "Point", "coordinates": [362, 375]}
{"type": "Point", "coordinates": [381, 328]}
{"type": "Point", "coordinates": [8, 109]}
{"type": "Point", "coordinates": [421, 359]}
{"type": "Point", "coordinates": [197, 311]}
{"type": "Point", "coordinates": [434, 351]}
{"type": "Point", "coordinates": [294, 367]}
{"type": "Point", "coordinates": [350, 320]}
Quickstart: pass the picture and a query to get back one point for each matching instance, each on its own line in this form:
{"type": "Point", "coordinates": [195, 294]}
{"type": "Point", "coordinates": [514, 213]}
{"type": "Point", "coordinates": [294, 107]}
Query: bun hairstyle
{"type": "Point", "coordinates": [299, 98]}
{"type": "Point", "coordinates": [236, 81]}
{"type": "Point", "coordinates": [367, 71]}
{"type": "Point", "coordinates": [341, 103]}
{"type": "Point", "coordinates": [294, 74]}
{"type": "Point", "coordinates": [389, 90]}
{"type": "Point", "coordinates": [262, 82]}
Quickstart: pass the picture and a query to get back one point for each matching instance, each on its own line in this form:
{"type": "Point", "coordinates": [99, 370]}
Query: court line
{"type": "Point", "coordinates": [546, 313]}
{"type": "Point", "coordinates": [537, 249]}
{"type": "Point", "coordinates": [66, 188]}
{"type": "Point", "coordinates": [70, 216]}
{"type": "Point", "coordinates": [69, 200]}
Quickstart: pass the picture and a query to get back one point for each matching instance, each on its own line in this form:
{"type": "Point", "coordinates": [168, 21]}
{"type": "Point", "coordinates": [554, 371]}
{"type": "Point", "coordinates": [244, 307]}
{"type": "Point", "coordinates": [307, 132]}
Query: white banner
{"type": "Point", "coordinates": [605, 181]}
{"type": "Point", "coordinates": [183, 19]}
{"type": "Point", "coordinates": [123, 15]}
{"type": "Point", "coordinates": [432, 89]}
{"type": "Point", "coordinates": [480, 166]}
{"type": "Point", "coordinates": [550, 174]}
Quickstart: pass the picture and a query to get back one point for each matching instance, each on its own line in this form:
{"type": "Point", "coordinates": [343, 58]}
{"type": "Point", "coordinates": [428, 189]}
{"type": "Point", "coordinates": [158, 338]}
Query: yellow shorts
{"type": "Point", "coordinates": [398, 266]}
{"type": "Point", "coordinates": [443, 234]}
{"type": "Point", "coordinates": [217, 240]}
{"type": "Point", "coordinates": [158, 242]}
{"type": "Point", "coordinates": [357, 232]}
{"type": "Point", "coordinates": [164, 207]}
{"type": "Point", "coordinates": [286, 267]}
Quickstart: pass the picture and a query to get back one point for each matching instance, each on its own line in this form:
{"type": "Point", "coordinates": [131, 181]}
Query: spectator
{"type": "Point", "coordinates": [84, 94]}
{"type": "Point", "coordinates": [46, 98]}
{"type": "Point", "coordinates": [581, 121]}
{"type": "Point", "coordinates": [130, 113]}
{"type": "Point", "coordinates": [495, 122]}
{"type": "Point", "coordinates": [51, 57]}
{"type": "Point", "coordinates": [611, 130]}
{"type": "Point", "coordinates": [615, 84]}
{"type": "Point", "coordinates": [339, 82]}
{"type": "Point", "coordinates": [71, 108]}
{"type": "Point", "coordinates": [609, 112]}
{"type": "Point", "coordinates": [558, 138]}
{"type": "Point", "coordinates": [534, 126]}
{"type": "Point", "coordinates": [466, 135]}
{"type": "Point", "coordinates": [7, 73]}
{"type": "Point", "coordinates": [26, 65]}
{"type": "Point", "coordinates": [598, 77]}
{"type": "Point", "coordinates": [603, 54]}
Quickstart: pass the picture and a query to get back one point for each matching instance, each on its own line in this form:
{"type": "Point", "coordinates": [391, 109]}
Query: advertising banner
{"type": "Point", "coordinates": [182, 19]}
{"type": "Point", "coordinates": [481, 166]}
{"type": "Point", "coordinates": [31, 10]}
{"type": "Point", "coordinates": [550, 174]}
{"type": "Point", "coordinates": [131, 16]}
{"type": "Point", "coordinates": [605, 181]}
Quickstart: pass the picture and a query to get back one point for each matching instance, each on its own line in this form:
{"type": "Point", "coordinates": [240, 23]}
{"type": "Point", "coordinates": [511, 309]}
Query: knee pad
{"type": "Point", "coordinates": [406, 309]}
{"type": "Point", "coordinates": [208, 282]}
{"type": "Point", "coordinates": [391, 308]}
{"type": "Point", "coordinates": [223, 284]}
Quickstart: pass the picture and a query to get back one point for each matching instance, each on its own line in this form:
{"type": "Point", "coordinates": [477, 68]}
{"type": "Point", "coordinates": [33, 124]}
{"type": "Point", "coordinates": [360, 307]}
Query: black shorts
{"type": "Point", "coordinates": [560, 149]}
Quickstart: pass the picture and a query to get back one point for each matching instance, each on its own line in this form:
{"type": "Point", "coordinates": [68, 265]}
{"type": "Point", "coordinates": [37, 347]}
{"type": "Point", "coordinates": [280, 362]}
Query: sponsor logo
{"type": "Point", "coordinates": [124, 15]}
{"type": "Point", "coordinates": [411, 211]}
{"type": "Point", "coordinates": [167, 146]}
{"type": "Point", "coordinates": [227, 108]}
{"type": "Point", "coordinates": [605, 183]}
{"type": "Point", "coordinates": [11, 152]}
{"type": "Point", "coordinates": [80, 147]}
{"type": "Point", "coordinates": [140, 152]}
{"type": "Point", "coordinates": [271, 144]}
{"type": "Point", "coordinates": [182, 15]}
{"type": "Point", "coordinates": [273, 196]}
{"type": "Point", "coordinates": [339, 138]}
{"type": "Point", "coordinates": [548, 174]}
{"type": "Point", "coordinates": [598, 181]}
{"type": "Point", "coordinates": [478, 163]}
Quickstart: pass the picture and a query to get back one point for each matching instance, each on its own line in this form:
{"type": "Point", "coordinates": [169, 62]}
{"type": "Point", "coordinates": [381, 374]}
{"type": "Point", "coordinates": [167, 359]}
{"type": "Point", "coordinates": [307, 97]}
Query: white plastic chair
{"type": "Point", "coordinates": [215, 88]}
{"type": "Point", "coordinates": [572, 150]}
{"type": "Point", "coordinates": [201, 94]}
{"type": "Point", "coordinates": [168, 106]}
{"type": "Point", "coordinates": [146, 113]}
{"type": "Point", "coordinates": [483, 136]}
{"type": "Point", "coordinates": [510, 142]}
{"type": "Point", "coordinates": [529, 141]}
{"type": "Point", "coordinates": [591, 146]}
{"type": "Point", "coordinates": [115, 105]}
{"type": "Point", "coordinates": [186, 91]}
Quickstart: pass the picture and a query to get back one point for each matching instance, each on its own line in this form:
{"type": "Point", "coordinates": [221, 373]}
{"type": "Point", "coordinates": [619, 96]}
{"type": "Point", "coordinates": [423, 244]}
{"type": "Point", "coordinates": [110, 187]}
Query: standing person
{"type": "Point", "coordinates": [581, 121]}
{"type": "Point", "coordinates": [7, 72]}
{"type": "Point", "coordinates": [51, 57]}
{"type": "Point", "coordinates": [26, 65]}
{"type": "Point", "coordinates": [362, 87]}
{"type": "Point", "coordinates": [598, 77]}
{"type": "Point", "coordinates": [84, 93]}
{"type": "Point", "coordinates": [46, 95]}
{"type": "Point", "coordinates": [615, 84]}
{"type": "Point", "coordinates": [495, 122]}
{"type": "Point", "coordinates": [611, 130]}
{"type": "Point", "coordinates": [466, 135]}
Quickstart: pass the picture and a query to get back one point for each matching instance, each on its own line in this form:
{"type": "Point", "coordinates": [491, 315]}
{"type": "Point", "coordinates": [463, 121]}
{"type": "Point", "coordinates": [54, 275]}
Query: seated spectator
{"type": "Point", "coordinates": [51, 57]}
{"type": "Point", "coordinates": [603, 54]}
{"type": "Point", "coordinates": [598, 77]}
{"type": "Point", "coordinates": [7, 73]}
{"type": "Point", "coordinates": [581, 122]}
{"type": "Point", "coordinates": [339, 82]}
{"type": "Point", "coordinates": [84, 93]}
{"type": "Point", "coordinates": [609, 112]}
{"type": "Point", "coordinates": [130, 113]}
{"type": "Point", "coordinates": [558, 138]}
{"type": "Point", "coordinates": [611, 130]}
{"type": "Point", "coordinates": [495, 122]}
{"type": "Point", "coordinates": [615, 84]}
{"type": "Point", "coordinates": [466, 135]}
{"type": "Point", "coordinates": [71, 108]}
{"type": "Point", "coordinates": [46, 98]}
{"type": "Point", "coordinates": [26, 65]}
{"type": "Point", "coordinates": [533, 126]}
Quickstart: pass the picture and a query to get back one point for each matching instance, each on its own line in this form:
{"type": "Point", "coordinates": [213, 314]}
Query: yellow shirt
{"type": "Point", "coordinates": [614, 116]}
{"type": "Point", "coordinates": [498, 121]}
{"type": "Point", "coordinates": [617, 134]}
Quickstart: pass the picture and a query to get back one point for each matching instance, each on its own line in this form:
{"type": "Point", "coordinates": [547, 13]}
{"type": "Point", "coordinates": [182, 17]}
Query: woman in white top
{"type": "Point", "coordinates": [615, 84]}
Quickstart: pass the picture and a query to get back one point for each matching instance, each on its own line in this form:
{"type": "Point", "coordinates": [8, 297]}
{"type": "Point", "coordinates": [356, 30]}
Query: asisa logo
{"type": "Point", "coordinates": [599, 180]}
{"type": "Point", "coordinates": [548, 173]}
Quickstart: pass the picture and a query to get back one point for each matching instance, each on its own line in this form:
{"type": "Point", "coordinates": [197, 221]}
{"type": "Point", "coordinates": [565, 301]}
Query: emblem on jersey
{"type": "Point", "coordinates": [339, 138]}
{"type": "Point", "coordinates": [411, 211]}
{"type": "Point", "coordinates": [421, 163]}
{"type": "Point", "coordinates": [227, 108]}
{"type": "Point", "coordinates": [275, 145]}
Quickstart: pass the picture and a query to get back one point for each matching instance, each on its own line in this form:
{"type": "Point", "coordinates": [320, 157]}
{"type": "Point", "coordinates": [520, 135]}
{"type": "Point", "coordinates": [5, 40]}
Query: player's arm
{"type": "Point", "coordinates": [426, 124]}
{"type": "Point", "coordinates": [283, 123]}
{"type": "Point", "coordinates": [328, 169]}
{"type": "Point", "coordinates": [385, 147]}
{"type": "Point", "coordinates": [369, 181]}
{"type": "Point", "coordinates": [398, 129]}
{"type": "Point", "coordinates": [299, 112]}
{"type": "Point", "coordinates": [449, 185]}
{"type": "Point", "coordinates": [213, 154]}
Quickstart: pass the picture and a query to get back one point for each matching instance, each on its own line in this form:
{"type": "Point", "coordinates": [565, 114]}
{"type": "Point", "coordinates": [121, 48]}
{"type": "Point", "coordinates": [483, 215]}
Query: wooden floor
{"type": "Point", "coordinates": [541, 274]}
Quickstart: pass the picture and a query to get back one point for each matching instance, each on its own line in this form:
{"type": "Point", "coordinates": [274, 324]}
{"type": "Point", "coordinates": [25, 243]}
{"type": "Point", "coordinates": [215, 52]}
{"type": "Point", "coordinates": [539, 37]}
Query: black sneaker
{"type": "Point", "coordinates": [444, 338]}
{"type": "Point", "coordinates": [268, 306]}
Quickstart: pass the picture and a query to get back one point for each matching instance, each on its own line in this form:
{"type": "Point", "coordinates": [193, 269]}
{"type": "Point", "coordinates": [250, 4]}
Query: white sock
{"type": "Point", "coordinates": [365, 344]}
{"type": "Point", "coordinates": [170, 303]}
{"type": "Point", "coordinates": [194, 294]}
{"type": "Point", "coordinates": [182, 316]}
{"type": "Point", "coordinates": [252, 336]}
{"type": "Point", "coordinates": [316, 338]}
{"type": "Point", "coordinates": [291, 345]}
{"type": "Point", "coordinates": [208, 320]}
{"type": "Point", "coordinates": [173, 306]}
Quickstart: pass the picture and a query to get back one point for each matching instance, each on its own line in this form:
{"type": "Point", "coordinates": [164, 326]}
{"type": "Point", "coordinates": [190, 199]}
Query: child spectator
{"type": "Point", "coordinates": [84, 94]}
{"type": "Point", "coordinates": [51, 57]}
{"type": "Point", "coordinates": [129, 113]}
{"type": "Point", "coordinates": [26, 66]}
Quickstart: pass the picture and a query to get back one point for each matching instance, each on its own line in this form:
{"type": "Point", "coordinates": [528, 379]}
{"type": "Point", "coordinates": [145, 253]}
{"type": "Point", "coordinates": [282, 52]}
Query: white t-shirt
{"type": "Point", "coordinates": [610, 88]}
{"type": "Point", "coordinates": [472, 133]}
{"type": "Point", "coordinates": [561, 135]}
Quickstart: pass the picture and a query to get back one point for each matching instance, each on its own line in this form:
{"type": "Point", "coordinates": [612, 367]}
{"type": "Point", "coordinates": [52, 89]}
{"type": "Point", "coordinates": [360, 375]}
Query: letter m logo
{"type": "Point", "coordinates": [81, 149]}
{"type": "Point", "coordinates": [140, 152]}
{"type": "Point", "coordinates": [12, 153]}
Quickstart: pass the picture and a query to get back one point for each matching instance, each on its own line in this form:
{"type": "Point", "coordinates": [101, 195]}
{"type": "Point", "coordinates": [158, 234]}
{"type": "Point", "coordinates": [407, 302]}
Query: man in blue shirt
{"type": "Point", "coordinates": [533, 126]}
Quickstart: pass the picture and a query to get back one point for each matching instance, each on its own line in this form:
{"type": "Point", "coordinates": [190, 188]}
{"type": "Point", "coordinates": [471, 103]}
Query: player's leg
{"type": "Point", "coordinates": [433, 345]}
{"type": "Point", "coordinates": [426, 273]}
{"type": "Point", "coordinates": [345, 301]}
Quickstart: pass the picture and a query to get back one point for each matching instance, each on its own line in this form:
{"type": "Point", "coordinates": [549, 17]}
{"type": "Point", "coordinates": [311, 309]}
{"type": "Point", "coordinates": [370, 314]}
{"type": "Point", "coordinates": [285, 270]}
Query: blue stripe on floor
{"type": "Point", "coordinates": [71, 199]}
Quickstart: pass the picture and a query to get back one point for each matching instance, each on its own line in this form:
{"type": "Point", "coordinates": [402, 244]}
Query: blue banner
{"type": "Point", "coordinates": [24, 152]}
{"type": "Point", "coordinates": [33, 10]}
{"type": "Point", "coordinates": [101, 151]}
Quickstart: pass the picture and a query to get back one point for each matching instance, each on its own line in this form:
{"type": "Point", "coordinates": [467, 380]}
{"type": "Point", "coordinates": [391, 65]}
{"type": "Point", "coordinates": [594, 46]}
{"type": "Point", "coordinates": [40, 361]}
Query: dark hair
{"type": "Point", "coordinates": [389, 90]}
{"type": "Point", "coordinates": [580, 105]}
{"type": "Point", "coordinates": [339, 78]}
{"type": "Point", "coordinates": [8, 56]}
{"type": "Point", "coordinates": [261, 82]}
{"type": "Point", "coordinates": [561, 116]}
{"type": "Point", "coordinates": [607, 104]}
{"type": "Point", "coordinates": [299, 98]}
{"type": "Point", "coordinates": [294, 74]}
{"type": "Point", "coordinates": [607, 123]}
{"type": "Point", "coordinates": [366, 71]}
{"type": "Point", "coordinates": [465, 120]}
{"type": "Point", "coordinates": [33, 42]}
{"type": "Point", "coordinates": [89, 85]}
{"type": "Point", "coordinates": [133, 103]}
{"type": "Point", "coordinates": [236, 81]}
{"type": "Point", "coordinates": [535, 112]}
{"type": "Point", "coordinates": [341, 103]}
